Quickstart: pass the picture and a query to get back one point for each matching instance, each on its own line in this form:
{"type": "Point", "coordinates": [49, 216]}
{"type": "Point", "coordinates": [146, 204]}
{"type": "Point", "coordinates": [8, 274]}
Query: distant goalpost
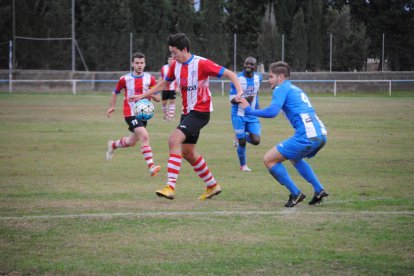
{"type": "Point", "coordinates": [74, 43]}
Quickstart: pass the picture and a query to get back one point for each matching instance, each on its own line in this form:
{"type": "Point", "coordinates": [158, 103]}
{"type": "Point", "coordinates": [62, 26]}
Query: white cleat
{"type": "Point", "coordinates": [245, 168]}
{"type": "Point", "coordinates": [110, 151]}
{"type": "Point", "coordinates": [154, 170]}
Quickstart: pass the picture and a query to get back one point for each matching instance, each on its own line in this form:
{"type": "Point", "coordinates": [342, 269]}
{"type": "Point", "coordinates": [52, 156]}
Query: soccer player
{"type": "Point", "coordinates": [135, 83]}
{"type": "Point", "coordinates": [168, 95]}
{"type": "Point", "coordinates": [247, 128]}
{"type": "Point", "coordinates": [192, 74]}
{"type": "Point", "coordinates": [310, 134]}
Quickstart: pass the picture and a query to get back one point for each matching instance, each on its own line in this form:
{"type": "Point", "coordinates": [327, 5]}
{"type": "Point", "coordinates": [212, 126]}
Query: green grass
{"type": "Point", "coordinates": [53, 174]}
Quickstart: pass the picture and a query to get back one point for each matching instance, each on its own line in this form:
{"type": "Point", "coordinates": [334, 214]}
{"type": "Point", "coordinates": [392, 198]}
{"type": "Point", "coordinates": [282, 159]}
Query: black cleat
{"type": "Point", "coordinates": [317, 198]}
{"type": "Point", "coordinates": [293, 200]}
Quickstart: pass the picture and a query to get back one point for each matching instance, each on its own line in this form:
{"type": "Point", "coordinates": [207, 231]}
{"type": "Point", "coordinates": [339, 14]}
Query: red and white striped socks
{"type": "Point", "coordinates": [174, 166]}
{"type": "Point", "coordinates": [201, 169]}
{"type": "Point", "coordinates": [171, 109]}
{"type": "Point", "coordinates": [121, 143]}
{"type": "Point", "coordinates": [147, 153]}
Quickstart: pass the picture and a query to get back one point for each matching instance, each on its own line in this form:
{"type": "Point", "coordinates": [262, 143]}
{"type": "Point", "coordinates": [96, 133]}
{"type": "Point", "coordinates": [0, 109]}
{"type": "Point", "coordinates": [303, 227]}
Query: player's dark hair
{"type": "Point", "coordinates": [280, 67]}
{"type": "Point", "coordinates": [250, 57]}
{"type": "Point", "coordinates": [137, 55]}
{"type": "Point", "coordinates": [180, 41]}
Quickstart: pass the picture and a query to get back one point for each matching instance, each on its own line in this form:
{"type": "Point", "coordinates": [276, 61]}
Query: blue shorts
{"type": "Point", "coordinates": [241, 125]}
{"type": "Point", "coordinates": [298, 147]}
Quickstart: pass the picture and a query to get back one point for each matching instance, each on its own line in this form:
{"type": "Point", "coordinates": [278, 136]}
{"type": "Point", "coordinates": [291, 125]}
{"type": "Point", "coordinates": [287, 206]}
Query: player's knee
{"type": "Point", "coordinates": [242, 142]}
{"type": "Point", "coordinates": [254, 139]}
{"type": "Point", "coordinates": [268, 162]}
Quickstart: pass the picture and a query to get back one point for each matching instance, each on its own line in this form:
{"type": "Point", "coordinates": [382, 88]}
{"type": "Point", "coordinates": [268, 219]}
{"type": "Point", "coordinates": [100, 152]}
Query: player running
{"type": "Point", "coordinates": [310, 134]}
{"type": "Point", "coordinates": [191, 73]}
{"type": "Point", "coordinates": [135, 83]}
{"type": "Point", "coordinates": [247, 128]}
{"type": "Point", "coordinates": [168, 95]}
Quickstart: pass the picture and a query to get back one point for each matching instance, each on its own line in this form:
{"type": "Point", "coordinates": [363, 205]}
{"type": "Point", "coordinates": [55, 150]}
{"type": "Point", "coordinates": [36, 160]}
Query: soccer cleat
{"type": "Point", "coordinates": [110, 151]}
{"type": "Point", "coordinates": [317, 198]}
{"type": "Point", "coordinates": [154, 170]}
{"type": "Point", "coordinates": [210, 192]}
{"type": "Point", "coordinates": [245, 168]}
{"type": "Point", "coordinates": [293, 200]}
{"type": "Point", "coordinates": [166, 192]}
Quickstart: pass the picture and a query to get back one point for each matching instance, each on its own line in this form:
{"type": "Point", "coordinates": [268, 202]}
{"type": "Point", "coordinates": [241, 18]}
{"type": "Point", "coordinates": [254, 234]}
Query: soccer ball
{"type": "Point", "coordinates": [144, 110]}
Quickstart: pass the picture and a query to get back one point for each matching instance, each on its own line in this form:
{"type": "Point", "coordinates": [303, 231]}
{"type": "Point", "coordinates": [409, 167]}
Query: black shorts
{"type": "Point", "coordinates": [133, 123]}
{"type": "Point", "coordinates": [168, 94]}
{"type": "Point", "coordinates": [191, 124]}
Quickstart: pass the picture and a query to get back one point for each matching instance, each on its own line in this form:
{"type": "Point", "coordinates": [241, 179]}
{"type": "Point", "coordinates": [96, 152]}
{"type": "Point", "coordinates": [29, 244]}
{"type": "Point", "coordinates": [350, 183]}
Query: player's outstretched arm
{"type": "Point", "coordinates": [157, 88]}
{"type": "Point", "coordinates": [233, 78]}
{"type": "Point", "coordinates": [269, 112]}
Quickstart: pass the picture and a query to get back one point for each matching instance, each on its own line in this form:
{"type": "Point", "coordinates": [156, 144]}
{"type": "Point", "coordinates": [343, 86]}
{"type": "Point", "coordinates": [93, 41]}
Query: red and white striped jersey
{"type": "Point", "coordinates": [133, 85]}
{"type": "Point", "coordinates": [164, 71]}
{"type": "Point", "coordinates": [192, 78]}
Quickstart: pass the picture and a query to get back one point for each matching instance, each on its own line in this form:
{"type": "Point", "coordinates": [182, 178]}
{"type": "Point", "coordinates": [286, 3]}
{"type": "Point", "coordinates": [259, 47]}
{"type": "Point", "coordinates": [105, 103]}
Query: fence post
{"type": "Point", "coordinates": [10, 66]}
{"type": "Point", "coordinates": [74, 87]}
{"type": "Point", "coordinates": [389, 89]}
{"type": "Point", "coordinates": [335, 88]}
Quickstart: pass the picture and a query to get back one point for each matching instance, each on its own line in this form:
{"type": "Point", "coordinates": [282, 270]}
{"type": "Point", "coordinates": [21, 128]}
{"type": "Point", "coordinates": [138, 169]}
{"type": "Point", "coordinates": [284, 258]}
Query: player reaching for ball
{"type": "Point", "coordinates": [135, 83]}
{"type": "Point", "coordinates": [191, 73]}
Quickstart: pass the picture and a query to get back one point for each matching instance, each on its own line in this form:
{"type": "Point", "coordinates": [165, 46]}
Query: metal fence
{"type": "Point", "coordinates": [222, 87]}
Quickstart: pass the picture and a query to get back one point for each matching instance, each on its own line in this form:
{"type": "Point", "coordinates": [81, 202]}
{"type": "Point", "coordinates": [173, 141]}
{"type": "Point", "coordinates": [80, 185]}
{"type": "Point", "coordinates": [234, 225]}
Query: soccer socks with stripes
{"type": "Point", "coordinates": [201, 169]}
{"type": "Point", "coordinates": [241, 153]}
{"type": "Point", "coordinates": [121, 143]}
{"type": "Point", "coordinates": [164, 109]}
{"type": "Point", "coordinates": [171, 110]}
{"type": "Point", "coordinates": [280, 173]}
{"type": "Point", "coordinates": [305, 170]}
{"type": "Point", "coordinates": [173, 169]}
{"type": "Point", "coordinates": [147, 153]}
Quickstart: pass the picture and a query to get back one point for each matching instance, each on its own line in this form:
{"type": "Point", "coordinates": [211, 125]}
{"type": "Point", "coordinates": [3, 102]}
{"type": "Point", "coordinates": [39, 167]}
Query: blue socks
{"type": "Point", "coordinates": [306, 172]}
{"type": "Point", "coordinates": [241, 152]}
{"type": "Point", "coordinates": [280, 173]}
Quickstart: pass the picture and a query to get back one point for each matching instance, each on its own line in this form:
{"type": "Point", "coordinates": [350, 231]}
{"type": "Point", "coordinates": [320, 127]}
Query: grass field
{"type": "Point", "coordinates": [64, 209]}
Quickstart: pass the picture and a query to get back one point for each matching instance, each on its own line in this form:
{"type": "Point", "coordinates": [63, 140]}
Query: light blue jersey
{"type": "Point", "coordinates": [250, 87]}
{"type": "Point", "coordinates": [298, 110]}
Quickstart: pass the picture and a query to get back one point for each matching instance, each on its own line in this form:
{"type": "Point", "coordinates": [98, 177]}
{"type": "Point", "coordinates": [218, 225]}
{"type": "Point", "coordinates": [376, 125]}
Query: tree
{"type": "Point", "coordinates": [152, 22]}
{"type": "Point", "coordinates": [349, 43]}
{"type": "Point", "coordinates": [103, 33]}
{"type": "Point", "coordinates": [298, 43]}
{"type": "Point", "coordinates": [394, 19]}
{"type": "Point", "coordinates": [314, 21]}
{"type": "Point", "coordinates": [212, 33]}
{"type": "Point", "coordinates": [244, 20]}
{"type": "Point", "coordinates": [269, 39]}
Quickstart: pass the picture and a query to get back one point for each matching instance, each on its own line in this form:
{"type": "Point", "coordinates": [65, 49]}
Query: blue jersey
{"type": "Point", "coordinates": [250, 87]}
{"type": "Point", "coordinates": [297, 108]}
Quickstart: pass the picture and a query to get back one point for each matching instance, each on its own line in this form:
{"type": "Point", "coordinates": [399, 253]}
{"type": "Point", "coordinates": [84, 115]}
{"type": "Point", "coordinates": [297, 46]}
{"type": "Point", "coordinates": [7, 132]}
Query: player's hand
{"type": "Point", "coordinates": [238, 97]}
{"type": "Point", "coordinates": [243, 103]}
{"type": "Point", "coordinates": [135, 98]}
{"type": "Point", "coordinates": [109, 111]}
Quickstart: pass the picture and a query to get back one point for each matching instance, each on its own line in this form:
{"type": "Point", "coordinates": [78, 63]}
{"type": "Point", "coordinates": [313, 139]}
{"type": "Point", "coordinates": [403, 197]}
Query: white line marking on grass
{"type": "Point", "coordinates": [174, 214]}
